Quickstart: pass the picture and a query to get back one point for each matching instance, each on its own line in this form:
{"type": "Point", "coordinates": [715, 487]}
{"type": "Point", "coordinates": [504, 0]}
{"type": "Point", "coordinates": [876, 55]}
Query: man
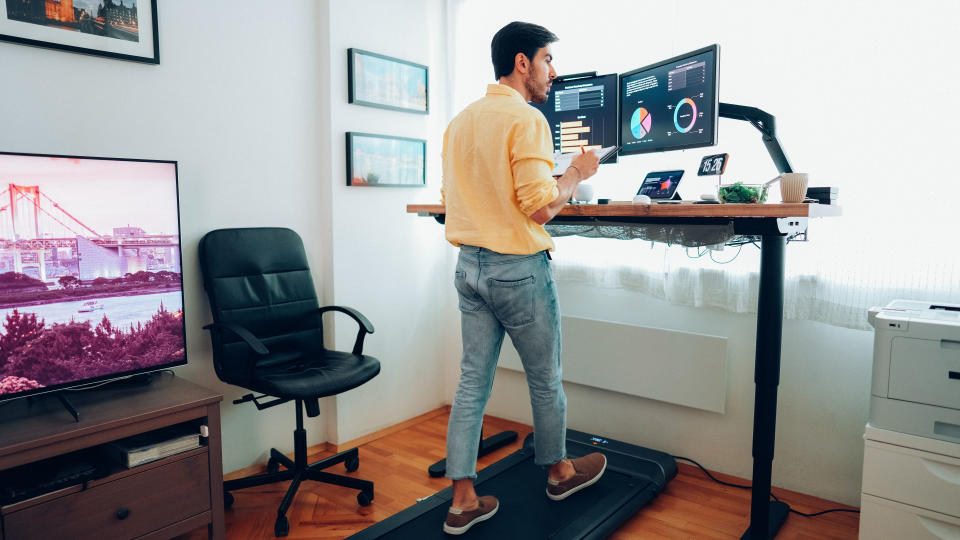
{"type": "Point", "coordinates": [499, 191]}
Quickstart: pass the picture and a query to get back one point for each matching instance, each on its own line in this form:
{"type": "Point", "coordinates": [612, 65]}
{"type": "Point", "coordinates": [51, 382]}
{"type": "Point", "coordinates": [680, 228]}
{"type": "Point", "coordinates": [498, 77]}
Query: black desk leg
{"type": "Point", "coordinates": [767, 517]}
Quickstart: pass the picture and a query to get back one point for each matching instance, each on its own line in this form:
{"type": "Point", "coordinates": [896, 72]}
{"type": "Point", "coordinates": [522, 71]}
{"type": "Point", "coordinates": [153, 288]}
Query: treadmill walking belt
{"type": "Point", "coordinates": [634, 476]}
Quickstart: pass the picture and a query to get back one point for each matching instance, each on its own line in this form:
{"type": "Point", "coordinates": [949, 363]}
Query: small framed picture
{"type": "Point", "coordinates": [383, 160]}
{"type": "Point", "coordinates": [123, 29]}
{"type": "Point", "coordinates": [381, 81]}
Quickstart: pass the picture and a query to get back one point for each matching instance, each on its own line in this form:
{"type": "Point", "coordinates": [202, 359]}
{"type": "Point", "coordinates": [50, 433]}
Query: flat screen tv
{"type": "Point", "coordinates": [91, 284]}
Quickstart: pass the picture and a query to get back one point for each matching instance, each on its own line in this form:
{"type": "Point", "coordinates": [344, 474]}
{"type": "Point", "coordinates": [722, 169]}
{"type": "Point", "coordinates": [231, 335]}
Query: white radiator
{"type": "Point", "coordinates": [666, 365]}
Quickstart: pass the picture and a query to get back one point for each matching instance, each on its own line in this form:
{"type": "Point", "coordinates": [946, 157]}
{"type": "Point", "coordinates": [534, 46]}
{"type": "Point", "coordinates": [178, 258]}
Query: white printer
{"type": "Point", "coordinates": [916, 369]}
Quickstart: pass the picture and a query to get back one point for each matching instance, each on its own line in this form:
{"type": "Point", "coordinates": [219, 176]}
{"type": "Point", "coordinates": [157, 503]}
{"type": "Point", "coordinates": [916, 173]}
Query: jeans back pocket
{"type": "Point", "coordinates": [513, 301]}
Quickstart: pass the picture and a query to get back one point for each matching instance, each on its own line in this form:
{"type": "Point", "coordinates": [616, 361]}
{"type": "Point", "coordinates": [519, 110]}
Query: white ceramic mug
{"type": "Point", "coordinates": [793, 187]}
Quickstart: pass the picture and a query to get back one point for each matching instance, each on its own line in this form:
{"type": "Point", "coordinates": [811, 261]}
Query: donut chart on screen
{"type": "Point", "coordinates": [676, 115]}
{"type": "Point", "coordinates": [640, 123]}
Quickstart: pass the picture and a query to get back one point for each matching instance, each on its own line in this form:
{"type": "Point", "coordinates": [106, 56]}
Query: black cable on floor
{"type": "Point", "coordinates": [739, 486]}
{"type": "Point", "coordinates": [820, 513]}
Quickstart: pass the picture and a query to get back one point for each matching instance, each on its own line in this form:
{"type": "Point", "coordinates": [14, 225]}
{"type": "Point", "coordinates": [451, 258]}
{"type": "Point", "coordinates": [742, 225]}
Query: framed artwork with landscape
{"type": "Point", "coordinates": [384, 160]}
{"type": "Point", "coordinates": [376, 80]}
{"type": "Point", "coordinates": [122, 29]}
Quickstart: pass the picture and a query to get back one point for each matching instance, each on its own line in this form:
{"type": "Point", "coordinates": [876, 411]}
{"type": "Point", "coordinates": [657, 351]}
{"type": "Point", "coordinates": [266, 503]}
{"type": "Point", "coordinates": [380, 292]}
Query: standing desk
{"type": "Point", "coordinates": [773, 223]}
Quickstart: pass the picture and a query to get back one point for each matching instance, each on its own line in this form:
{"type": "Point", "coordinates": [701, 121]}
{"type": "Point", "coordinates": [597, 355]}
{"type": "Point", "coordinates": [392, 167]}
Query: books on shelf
{"type": "Point", "coordinates": [154, 445]}
{"type": "Point", "coordinates": [824, 195]}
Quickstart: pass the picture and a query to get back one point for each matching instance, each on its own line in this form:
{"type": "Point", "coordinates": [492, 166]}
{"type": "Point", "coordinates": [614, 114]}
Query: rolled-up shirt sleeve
{"type": "Point", "coordinates": [531, 160]}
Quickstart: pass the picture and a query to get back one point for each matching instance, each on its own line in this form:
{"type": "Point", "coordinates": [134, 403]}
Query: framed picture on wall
{"type": "Point", "coordinates": [383, 160]}
{"type": "Point", "coordinates": [123, 29]}
{"type": "Point", "coordinates": [376, 80]}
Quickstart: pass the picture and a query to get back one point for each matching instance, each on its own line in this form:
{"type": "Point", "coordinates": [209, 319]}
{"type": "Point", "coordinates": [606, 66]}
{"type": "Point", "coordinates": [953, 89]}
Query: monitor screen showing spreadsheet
{"type": "Point", "coordinates": [670, 105]}
{"type": "Point", "coordinates": [582, 113]}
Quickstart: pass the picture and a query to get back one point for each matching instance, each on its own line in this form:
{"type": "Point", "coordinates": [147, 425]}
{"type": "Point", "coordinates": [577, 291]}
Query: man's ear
{"type": "Point", "coordinates": [521, 63]}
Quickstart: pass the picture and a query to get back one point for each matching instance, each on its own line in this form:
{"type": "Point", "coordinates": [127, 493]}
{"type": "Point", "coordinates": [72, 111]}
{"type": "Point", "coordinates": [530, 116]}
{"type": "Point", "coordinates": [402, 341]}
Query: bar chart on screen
{"type": "Point", "coordinates": [576, 135]}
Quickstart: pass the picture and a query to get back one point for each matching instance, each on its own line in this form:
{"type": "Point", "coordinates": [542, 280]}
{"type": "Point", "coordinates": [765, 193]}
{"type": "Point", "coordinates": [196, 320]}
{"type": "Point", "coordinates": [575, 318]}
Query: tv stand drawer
{"type": "Point", "coordinates": [128, 507]}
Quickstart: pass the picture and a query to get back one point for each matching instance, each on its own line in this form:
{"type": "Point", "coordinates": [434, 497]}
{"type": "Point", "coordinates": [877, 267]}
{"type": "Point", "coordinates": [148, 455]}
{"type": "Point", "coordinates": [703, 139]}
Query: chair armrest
{"type": "Point", "coordinates": [244, 334]}
{"type": "Point", "coordinates": [365, 326]}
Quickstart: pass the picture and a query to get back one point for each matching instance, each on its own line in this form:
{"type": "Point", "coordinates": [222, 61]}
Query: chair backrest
{"type": "Point", "coordinates": [259, 279]}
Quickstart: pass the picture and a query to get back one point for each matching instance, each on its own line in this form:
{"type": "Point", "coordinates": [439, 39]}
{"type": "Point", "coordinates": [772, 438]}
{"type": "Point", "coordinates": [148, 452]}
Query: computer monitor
{"type": "Point", "coordinates": [670, 105]}
{"type": "Point", "coordinates": [582, 112]}
{"type": "Point", "coordinates": [91, 283]}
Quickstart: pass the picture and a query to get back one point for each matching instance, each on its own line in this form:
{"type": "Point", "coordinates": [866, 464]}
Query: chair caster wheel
{"type": "Point", "coordinates": [227, 500]}
{"type": "Point", "coordinates": [364, 499]}
{"type": "Point", "coordinates": [352, 464]}
{"type": "Point", "coordinates": [272, 466]}
{"type": "Point", "coordinates": [281, 527]}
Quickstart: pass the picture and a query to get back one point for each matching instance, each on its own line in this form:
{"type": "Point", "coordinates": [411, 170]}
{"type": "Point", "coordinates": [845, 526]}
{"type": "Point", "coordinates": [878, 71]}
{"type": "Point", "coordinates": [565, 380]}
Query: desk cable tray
{"type": "Point", "coordinates": [684, 235]}
{"type": "Point", "coordinates": [669, 233]}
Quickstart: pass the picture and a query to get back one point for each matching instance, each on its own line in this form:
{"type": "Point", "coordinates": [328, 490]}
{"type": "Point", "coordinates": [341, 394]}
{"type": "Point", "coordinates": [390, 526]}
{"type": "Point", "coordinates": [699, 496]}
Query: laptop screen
{"type": "Point", "coordinates": [660, 184]}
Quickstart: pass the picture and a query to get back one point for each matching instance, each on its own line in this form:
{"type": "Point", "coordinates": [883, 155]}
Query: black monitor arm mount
{"type": "Point", "coordinates": [766, 124]}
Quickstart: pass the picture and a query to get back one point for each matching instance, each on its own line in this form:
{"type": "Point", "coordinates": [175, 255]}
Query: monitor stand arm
{"type": "Point", "coordinates": [766, 124]}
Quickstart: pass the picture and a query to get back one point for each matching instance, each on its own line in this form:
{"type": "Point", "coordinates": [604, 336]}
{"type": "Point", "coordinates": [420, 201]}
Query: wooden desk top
{"type": "Point", "coordinates": [682, 210]}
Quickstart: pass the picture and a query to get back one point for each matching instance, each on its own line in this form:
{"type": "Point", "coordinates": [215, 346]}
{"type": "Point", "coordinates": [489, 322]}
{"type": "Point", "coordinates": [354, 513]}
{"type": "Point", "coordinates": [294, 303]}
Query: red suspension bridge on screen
{"type": "Point", "coordinates": [42, 239]}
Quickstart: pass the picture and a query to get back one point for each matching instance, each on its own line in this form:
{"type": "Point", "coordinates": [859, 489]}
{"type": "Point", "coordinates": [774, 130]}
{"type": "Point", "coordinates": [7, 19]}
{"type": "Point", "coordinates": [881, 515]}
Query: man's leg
{"type": "Point", "coordinates": [524, 297]}
{"type": "Point", "coordinates": [538, 342]}
{"type": "Point", "coordinates": [482, 338]}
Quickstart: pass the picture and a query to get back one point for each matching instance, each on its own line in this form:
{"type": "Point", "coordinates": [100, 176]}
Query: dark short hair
{"type": "Point", "coordinates": [517, 37]}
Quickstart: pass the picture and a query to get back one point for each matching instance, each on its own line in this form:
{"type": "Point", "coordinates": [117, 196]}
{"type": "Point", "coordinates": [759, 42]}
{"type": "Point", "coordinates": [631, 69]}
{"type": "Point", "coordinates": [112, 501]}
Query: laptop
{"type": "Point", "coordinates": [661, 186]}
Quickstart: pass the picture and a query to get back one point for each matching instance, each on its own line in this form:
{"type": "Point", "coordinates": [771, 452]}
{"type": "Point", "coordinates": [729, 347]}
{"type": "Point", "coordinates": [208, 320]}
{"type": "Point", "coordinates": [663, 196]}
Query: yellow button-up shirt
{"type": "Point", "coordinates": [497, 171]}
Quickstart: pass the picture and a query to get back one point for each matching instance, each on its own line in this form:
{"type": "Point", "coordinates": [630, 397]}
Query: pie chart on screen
{"type": "Point", "coordinates": [640, 123]}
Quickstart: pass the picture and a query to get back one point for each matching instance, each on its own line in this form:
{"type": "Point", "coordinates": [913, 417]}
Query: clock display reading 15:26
{"type": "Point", "coordinates": [714, 164]}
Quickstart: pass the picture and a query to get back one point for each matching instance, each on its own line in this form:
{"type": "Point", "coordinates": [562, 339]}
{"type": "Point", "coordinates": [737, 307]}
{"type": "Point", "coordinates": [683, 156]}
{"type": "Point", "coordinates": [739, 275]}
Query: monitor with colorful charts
{"type": "Point", "coordinates": [670, 105]}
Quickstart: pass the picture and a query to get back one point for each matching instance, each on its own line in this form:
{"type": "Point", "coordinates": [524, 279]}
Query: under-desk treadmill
{"type": "Point", "coordinates": [634, 476]}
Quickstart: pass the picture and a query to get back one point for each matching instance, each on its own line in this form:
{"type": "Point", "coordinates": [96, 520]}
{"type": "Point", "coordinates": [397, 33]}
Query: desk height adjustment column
{"type": "Point", "coordinates": [767, 516]}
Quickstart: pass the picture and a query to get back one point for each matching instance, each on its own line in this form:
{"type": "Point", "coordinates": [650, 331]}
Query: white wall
{"type": "Point", "coordinates": [254, 108]}
{"type": "Point", "coordinates": [235, 100]}
{"type": "Point", "coordinates": [394, 267]}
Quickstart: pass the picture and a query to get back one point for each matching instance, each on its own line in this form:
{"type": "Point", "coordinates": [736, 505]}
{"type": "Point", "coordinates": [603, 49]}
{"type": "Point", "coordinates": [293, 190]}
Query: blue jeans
{"type": "Point", "coordinates": [516, 294]}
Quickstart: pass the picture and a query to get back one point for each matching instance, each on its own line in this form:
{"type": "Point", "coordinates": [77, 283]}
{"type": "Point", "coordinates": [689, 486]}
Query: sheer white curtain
{"type": "Point", "coordinates": [863, 94]}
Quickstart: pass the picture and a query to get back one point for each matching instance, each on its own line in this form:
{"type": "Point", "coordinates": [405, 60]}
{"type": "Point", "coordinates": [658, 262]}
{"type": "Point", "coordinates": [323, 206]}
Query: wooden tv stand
{"type": "Point", "coordinates": [156, 500]}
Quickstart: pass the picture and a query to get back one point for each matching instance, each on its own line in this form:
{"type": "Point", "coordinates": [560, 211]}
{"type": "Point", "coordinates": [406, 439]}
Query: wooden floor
{"type": "Point", "coordinates": [692, 506]}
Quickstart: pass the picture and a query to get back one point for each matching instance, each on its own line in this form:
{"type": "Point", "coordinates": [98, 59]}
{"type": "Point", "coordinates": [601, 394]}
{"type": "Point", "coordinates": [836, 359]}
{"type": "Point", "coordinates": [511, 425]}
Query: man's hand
{"type": "Point", "coordinates": [581, 167]}
{"type": "Point", "coordinates": [587, 163]}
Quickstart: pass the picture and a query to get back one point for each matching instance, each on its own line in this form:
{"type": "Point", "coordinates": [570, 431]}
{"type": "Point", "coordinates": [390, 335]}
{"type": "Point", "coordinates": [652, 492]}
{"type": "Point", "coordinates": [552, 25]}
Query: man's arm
{"type": "Point", "coordinates": [581, 167]}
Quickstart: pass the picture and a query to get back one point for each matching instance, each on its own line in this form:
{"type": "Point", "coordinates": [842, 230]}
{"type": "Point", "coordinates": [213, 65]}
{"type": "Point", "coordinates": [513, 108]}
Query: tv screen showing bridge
{"type": "Point", "coordinates": [90, 277]}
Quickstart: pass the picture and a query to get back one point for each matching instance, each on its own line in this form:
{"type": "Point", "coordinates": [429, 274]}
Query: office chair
{"type": "Point", "coordinates": [267, 337]}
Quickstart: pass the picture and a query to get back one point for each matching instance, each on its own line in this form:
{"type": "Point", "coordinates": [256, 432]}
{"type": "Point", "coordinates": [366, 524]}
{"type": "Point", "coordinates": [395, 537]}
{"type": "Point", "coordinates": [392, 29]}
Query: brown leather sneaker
{"type": "Point", "coordinates": [460, 521]}
{"type": "Point", "coordinates": [589, 469]}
